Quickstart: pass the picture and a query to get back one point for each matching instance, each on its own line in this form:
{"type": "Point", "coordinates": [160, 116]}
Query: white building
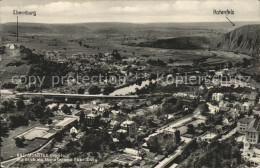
{"type": "Point", "coordinates": [251, 154]}
{"type": "Point", "coordinates": [246, 107]}
{"type": "Point", "coordinates": [217, 96]}
{"type": "Point", "coordinates": [67, 121]}
{"type": "Point", "coordinates": [10, 46]}
{"type": "Point", "coordinates": [73, 130]}
{"type": "Point", "coordinates": [129, 126]}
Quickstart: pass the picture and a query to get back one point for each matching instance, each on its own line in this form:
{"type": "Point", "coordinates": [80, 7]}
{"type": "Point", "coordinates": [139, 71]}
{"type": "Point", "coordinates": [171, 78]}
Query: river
{"type": "Point", "coordinates": [130, 89]}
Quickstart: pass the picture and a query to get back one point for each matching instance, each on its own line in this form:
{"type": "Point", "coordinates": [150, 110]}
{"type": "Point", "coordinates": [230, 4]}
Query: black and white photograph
{"type": "Point", "coordinates": [130, 83]}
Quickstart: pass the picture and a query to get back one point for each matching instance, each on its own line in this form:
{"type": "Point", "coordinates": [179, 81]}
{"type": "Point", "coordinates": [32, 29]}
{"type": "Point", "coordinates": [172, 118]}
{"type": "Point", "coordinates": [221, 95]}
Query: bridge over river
{"type": "Point", "coordinates": [77, 96]}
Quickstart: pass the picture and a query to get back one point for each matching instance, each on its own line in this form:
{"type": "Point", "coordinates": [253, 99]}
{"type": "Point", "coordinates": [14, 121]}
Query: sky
{"type": "Point", "coordinates": [133, 11]}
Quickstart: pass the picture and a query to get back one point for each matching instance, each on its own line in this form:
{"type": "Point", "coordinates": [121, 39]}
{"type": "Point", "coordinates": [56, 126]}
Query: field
{"type": "Point", "coordinates": [95, 38]}
{"type": "Point", "coordinates": [8, 71]}
{"type": "Point", "coordinates": [9, 148]}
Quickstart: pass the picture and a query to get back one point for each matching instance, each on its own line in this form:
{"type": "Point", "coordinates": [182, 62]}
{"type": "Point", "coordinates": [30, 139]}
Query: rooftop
{"type": "Point", "coordinates": [92, 115]}
{"type": "Point", "coordinates": [121, 131]}
{"type": "Point", "coordinates": [66, 121]}
{"type": "Point", "coordinates": [127, 122]}
{"type": "Point", "coordinates": [246, 120]}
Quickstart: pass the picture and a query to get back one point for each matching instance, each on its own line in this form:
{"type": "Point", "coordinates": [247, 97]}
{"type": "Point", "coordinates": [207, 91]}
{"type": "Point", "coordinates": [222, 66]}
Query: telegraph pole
{"type": "Point", "coordinates": [17, 29]}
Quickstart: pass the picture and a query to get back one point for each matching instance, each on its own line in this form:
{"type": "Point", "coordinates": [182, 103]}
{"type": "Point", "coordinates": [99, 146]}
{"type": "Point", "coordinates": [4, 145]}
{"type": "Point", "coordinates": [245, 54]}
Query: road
{"type": "Point", "coordinates": [181, 121]}
{"type": "Point", "coordinates": [177, 152]}
{"type": "Point", "coordinates": [229, 134]}
{"type": "Point", "coordinates": [177, 123]}
{"type": "Point", "coordinates": [171, 127]}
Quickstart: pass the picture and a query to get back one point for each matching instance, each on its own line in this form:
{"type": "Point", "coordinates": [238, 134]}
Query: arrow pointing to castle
{"type": "Point", "coordinates": [230, 21]}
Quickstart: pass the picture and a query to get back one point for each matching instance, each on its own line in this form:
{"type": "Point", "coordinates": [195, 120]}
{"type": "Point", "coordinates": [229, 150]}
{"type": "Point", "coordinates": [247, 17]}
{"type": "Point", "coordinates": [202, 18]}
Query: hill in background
{"type": "Point", "coordinates": [193, 42]}
{"type": "Point", "coordinates": [244, 39]}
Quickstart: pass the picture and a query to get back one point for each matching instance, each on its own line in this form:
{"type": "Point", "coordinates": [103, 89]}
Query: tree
{"type": "Point", "coordinates": [236, 153]}
{"type": "Point", "coordinates": [80, 43]}
{"type": "Point", "coordinates": [246, 62]}
{"type": "Point", "coordinates": [170, 147]}
{"type": "Point", "coordinates": [78, 105]}
{"type": "Point", "coordinates": [108, 89]}
{"type": "Point", "coordinates": [29, 113]}
{"type": "Point", "coordinates": [38, 109]}
{"type": "Point", "coordinates": [19, 142]}
{"type": "Point", "coordinates": [82, 117]}
{"type": "Point", "coordinates": [37, 99]}
{"type": "Point", "coordinates": [116, 55]}
{"type": "Point", "coordinates": [73, 135]}
{"type": "Point", "coordinates": [49, 121]}
{"type": "Point", "coordinates": [3, 131]}
{"type": "Point", "coordinates": [66, 109]}
{"type": "Point", "coordinates": [94, 89]}
{"type": "Point", "coordinates": [56, 107]}
{"type": "Point", "coordinates": [48, 112]}
{"type": "Point", "coordinates": [216, 163]}
{"type": "Point", "coordinates": [32, 87]}
{"type": "Point", "coordinates": [8, 104]}
{"type": "Point", "coordinates": [177, 136]}
{"type": "Point", "coordinates": [59, 136]}
{"type": "Point", "coordinates": [204, 108]}
{"type": "Point", "coordinates": [20, 104]}
{"type": "Point", "coordinates": [154, 145]}
{"type": "Point", "coordinates": [81, 90]}
{"type": "Point", "coordinates": [190, 129]}
{"type": "Point", "coordinates": [9, 85]}
{"type": "Point", "coordinates": [17, 120]}
{"type": "Point", "coordinates": [90, 143]}
{"type": "Point", "coordinates": [230, 64]}
{"type": "Point", "coordinates": [112, 146]}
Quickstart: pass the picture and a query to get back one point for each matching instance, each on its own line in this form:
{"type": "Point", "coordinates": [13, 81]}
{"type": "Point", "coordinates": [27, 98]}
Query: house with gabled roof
{"type": "Point", "coordinates": [252, 133]}
{"type": "Point", "coordinates": [245, 123]}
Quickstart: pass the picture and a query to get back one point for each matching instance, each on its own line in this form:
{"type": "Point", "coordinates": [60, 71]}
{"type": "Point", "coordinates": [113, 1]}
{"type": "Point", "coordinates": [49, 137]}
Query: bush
{"type": "Point", "coordinates": [9, 85]}
{"type": "Point", "coordinates": [94, 89]}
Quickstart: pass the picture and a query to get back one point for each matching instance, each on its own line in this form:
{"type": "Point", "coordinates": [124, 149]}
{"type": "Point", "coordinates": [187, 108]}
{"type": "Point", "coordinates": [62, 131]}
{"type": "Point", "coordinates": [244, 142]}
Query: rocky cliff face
{"type": "Point", "coordinates": [244, 39]}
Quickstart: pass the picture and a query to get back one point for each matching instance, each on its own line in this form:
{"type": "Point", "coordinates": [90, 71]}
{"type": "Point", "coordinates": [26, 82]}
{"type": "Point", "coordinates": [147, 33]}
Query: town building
{"type": "Point", "coordinates": [73, 130]}
{"type": "Point", "coordinates": [166, 136]}
{"type": "Point", "coordinates": [92, 119]}
{"type": "Point", "coordinates": [65, 123]}
{"type": "Point", "coordinates": [224, 106]}
{"type": "Point", "coordinates": [208, 137]}
{"type": "Point", "coordinates": [114, 124]}
{"type": "Point", "coordinates": [129, 126]}
{"type": "Point", "coordinates": [251, 154]}
{"type": "Point", "coordinates": [252, 133]}
{"type": "Point", "coordinates": [246, 107]}
{"type": "Point", "coordinates": [217, 96]}
{"type": "Point", "coordinates": [10, 46]}
{"type": "Point", "coordinates": [252, 96]}
{"type": "Point", "coordinates": [245, 123]}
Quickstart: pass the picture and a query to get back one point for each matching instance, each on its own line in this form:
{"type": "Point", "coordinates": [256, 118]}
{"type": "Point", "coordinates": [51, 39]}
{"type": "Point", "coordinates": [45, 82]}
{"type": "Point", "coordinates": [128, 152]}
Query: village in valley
{"type": "Point", "coordinates": [112, 94]}
{"type": "Point", "coordinates": [152, 124]}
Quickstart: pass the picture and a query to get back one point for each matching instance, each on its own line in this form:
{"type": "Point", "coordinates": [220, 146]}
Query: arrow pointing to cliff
{"type": "Point", "coordinates": [230, 21]}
